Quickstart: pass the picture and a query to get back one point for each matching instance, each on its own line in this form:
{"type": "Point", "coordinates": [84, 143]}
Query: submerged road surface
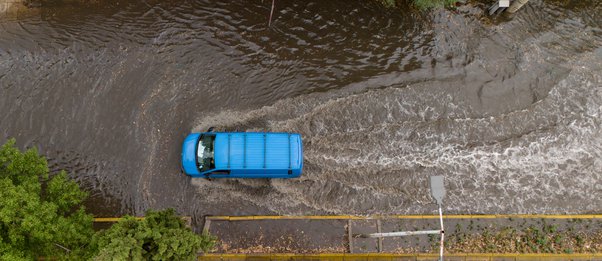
{"type": "Point", "coordinates": [509, 110]}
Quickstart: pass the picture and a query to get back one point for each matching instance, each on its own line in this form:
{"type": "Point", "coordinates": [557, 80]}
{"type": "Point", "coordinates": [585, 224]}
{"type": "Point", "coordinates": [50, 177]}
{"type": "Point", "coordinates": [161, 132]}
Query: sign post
{"type": "Point", "coordinates": [438, 193]}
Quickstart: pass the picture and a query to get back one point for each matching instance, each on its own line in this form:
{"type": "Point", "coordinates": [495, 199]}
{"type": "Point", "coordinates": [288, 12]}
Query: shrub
{"type": "Point", "coordinates": [159, 236]}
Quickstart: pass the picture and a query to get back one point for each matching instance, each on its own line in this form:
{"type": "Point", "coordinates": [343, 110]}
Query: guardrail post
{"type": "Point", "coordinates": [349, 236]}
{"type": "Point", "coordinates": [206, 225]}
{"type": "Point", "coordinates": [379, 245]}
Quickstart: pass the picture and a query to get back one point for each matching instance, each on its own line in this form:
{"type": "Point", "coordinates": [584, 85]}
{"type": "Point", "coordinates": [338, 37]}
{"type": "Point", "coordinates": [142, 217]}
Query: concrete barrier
{"type": "Point", "coordinates": [517, 4]}
{"type": "Point", "coordinates": [5, 6]}
{"type": "Point", "coordinates": [14, 9]}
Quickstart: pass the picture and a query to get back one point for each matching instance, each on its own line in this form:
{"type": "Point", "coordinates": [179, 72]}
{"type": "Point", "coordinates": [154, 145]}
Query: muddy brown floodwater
{"type": "Point", "coordinates": [508, 110]}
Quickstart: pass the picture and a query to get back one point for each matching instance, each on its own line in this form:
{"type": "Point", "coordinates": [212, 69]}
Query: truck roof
{"type": "Point", "coordinates": [257, 150]}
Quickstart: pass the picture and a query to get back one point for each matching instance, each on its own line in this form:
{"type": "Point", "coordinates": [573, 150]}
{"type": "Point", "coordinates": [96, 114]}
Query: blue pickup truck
{"type": "Point", "coordinates": [242, 155]}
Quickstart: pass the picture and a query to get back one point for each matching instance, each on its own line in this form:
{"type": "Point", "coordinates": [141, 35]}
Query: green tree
{"type": "Point", "coordinates": [40, 215]}
{"type": "Point", "coordinates": [159, 236]}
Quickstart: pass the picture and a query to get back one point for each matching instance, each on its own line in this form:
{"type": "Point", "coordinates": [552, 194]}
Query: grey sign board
{"type": "Point", "coordinates": [437, 189]}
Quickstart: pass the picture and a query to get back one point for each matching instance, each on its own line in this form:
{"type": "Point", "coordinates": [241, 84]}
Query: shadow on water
{"type": "Point", "coordinates": [508, 111]}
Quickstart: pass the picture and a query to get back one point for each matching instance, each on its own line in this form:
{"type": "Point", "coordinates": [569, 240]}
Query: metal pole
{"type": "Point", "coordinates": [271, 13]}
{"type": "Point", "coordinates": [442, 231]}
{"type": "Point", "coordinates": [438, 192]}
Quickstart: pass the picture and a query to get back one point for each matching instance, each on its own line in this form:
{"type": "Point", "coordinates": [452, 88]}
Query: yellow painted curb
{"type": "Point", "coordinates": [409, 255]}
{"type": "Point", "coordinates": [518, 216]}
{"type": "Point", "coordinates": [480, 256]}
{"type": "Point", "coordinates": [116, 219]}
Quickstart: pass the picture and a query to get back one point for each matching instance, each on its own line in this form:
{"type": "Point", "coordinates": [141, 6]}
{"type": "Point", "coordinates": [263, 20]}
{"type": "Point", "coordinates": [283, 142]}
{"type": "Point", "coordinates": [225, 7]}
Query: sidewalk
{"type": "Point", "coordinates": [551, 234]}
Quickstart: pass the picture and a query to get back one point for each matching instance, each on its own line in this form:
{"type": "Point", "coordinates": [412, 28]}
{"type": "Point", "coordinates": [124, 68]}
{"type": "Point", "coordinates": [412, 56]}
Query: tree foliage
{"type": "Point", "coordinates": [39, 215]}
{"type": "Point", "coordinates": [159, 236]}
{"type": "Point", "coordinates": [43, 216]}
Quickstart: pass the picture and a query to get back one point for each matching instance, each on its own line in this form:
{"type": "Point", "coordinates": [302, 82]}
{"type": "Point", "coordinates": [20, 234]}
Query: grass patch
{"type": "Point", "coordinates": [541, 238]}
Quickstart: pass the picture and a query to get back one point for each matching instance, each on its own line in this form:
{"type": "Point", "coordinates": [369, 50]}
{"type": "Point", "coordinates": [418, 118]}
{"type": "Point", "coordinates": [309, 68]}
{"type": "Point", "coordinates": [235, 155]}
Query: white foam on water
{"type": "Point", "coordinates": [503, 148]}
{"type": "Point", "coordinates": [373, 153]}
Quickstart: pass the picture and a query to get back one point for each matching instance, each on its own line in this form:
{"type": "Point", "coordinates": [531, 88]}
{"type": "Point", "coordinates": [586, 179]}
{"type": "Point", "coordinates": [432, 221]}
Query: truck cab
{"type": "Point", "coordinates": [242, 155]}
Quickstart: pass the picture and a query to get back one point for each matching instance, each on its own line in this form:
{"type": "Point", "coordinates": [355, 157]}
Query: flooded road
{"type": "Point", "coordinates": [509, 111]}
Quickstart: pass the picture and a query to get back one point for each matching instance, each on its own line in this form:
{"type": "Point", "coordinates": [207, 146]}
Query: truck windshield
{"type": "Point", "coordinates": [204, 154]}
